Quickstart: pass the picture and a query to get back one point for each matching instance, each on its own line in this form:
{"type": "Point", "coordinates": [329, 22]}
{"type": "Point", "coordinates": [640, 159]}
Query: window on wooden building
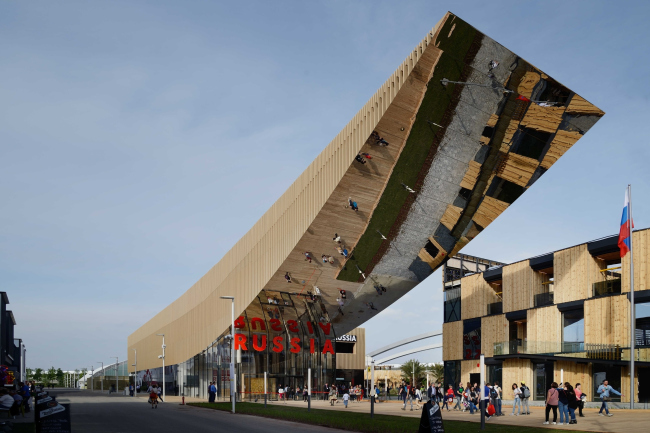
{"type": "Point", "coordinates": [573, 331]}
{"type": "Point", "coordinates": [472, 339]}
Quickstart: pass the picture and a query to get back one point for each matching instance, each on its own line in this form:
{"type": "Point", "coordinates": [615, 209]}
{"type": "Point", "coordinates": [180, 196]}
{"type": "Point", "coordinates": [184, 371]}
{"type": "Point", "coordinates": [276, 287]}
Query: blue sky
{"type": "Point", "coordinates": [140, 140]}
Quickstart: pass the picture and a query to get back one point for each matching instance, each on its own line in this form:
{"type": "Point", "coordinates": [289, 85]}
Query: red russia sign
{"type": "Point", "coordinates": [259, 340]}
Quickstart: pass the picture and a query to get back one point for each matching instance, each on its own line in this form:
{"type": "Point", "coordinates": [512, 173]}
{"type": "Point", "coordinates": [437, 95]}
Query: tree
{"type": "Point", "coordinates": [413, 368]}
{"type": "Point", "coordinates": [438, 372]}
{"type": "Point", "coordinates": [50, 376]}
{"type": "Point", "coordinates": [60, 377]}
{"type": "Point", "coordinates": [38, 374]}
{"type": "Point", "coordinates": [29, 373]}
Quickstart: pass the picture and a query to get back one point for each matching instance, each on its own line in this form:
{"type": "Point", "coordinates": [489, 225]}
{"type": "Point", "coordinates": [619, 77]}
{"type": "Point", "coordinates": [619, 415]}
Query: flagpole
{"type": "Point", "coordinates": [632, 306]}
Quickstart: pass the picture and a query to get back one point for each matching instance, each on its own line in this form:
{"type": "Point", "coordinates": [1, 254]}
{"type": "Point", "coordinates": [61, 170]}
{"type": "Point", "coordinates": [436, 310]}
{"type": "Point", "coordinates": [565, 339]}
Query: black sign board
{"type": "Point", "coordinates": [431, 420]}
{"type": "Point", "coordinates": [54, 419]}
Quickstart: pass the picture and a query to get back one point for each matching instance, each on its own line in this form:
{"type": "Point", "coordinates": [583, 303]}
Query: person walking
{"type": "Point", "coordinates": [430, 392]}
{"type": "Point", "coordinates": [525, 396]}
{"type": "Point", "coordinates": [552, 399]}
{"type": "Point", "coordinates": [473, 399]}
{"type": "Point", "coordinates": [459, 397]}
{"type": "Point", "coordinates": [497, 404]}
{"type": "Point", "coordinates": [603, 392]}
{"type": "Point", "coordinates": [287, 277]}
{"type": "Point", "coordinates": [403, 391]}
{"type": "Point", "coordinates": [153, 399]}
{"type": "Point", "coordinates": [159, 391]}
{"type": "Point", "coordinates": [346, 397]}
{"type": "Point", "coordinates": [582, 397]}
{"type": "Point", "coordinates": [517, 399]}
{"type": "Point", "coordinates": [131, 389]}
{"type": "Point", "coordinates": [418, 398]}
{"type": "Point", "coordinates": [212, 392]}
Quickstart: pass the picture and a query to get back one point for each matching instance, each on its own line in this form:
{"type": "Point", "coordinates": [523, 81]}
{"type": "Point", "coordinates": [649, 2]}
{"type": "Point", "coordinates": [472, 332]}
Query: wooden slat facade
{"type": "Point", "coordinates": [607, 320]}
{"type": "Point", "coordinates": [516, 371]}
{"type": "Point", "coordinates": [544, 329]}
{"type": "Point", "coordinates": [475, 294]}
{"type": "Point", "coordinates": [452, 341]}
{"type": "Point", "coordinates": [575, 271]}
{"type": "Point", "coordinates": [520, 285]}
{"type": "Point", "coordinates": [494, 329]}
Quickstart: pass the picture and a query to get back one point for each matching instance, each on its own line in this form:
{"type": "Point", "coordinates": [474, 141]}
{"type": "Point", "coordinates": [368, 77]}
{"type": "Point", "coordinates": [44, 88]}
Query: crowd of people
{"type": "Point", "coordinates": [17, 400]}
{"type": "Point", "coordinates": [564, 398]}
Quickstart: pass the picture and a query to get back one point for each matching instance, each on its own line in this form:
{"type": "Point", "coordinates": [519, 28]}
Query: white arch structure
{"type": "Point", "coordinates": [405, 342]}
{"type": "Point", "coordinates": [408, 352]}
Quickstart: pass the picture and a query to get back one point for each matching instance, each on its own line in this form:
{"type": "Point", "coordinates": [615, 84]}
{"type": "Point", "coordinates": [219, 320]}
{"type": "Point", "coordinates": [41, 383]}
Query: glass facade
{"type": "Point", "coordinates": [281, 334]}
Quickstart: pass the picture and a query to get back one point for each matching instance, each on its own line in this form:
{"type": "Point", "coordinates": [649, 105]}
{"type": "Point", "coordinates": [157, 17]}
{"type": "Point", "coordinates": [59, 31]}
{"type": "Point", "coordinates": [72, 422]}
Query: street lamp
{"type": "Point", "coordinates": [117, 363]}
{"type": "Point", "coordinates": [102, 375]}
{"type": "Point", "coordinates": [163, 360]}
{"type": "Point", "coordinates": [233, 379]}
{"type": "Point", "coordinates": [92, 377]}
{"type": "Point", "coordinates": [135, 374]}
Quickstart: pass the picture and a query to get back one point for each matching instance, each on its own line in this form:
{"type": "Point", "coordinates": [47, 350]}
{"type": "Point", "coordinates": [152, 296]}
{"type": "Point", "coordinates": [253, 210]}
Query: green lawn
{"type": "Point", "coordinates": [395, 200]}
{"type": "Point", "coordinates": [361, 422]}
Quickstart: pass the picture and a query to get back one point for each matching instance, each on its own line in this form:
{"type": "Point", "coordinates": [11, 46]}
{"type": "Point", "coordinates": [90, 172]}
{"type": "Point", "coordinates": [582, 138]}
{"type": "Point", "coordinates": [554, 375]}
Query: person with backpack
{"type": "Point", "coordinates": [497, 406]}
{"type": "Point", "coordinates": [516, 391]}
{"type": "Point", "coordinates": [525, 396]}
{"type": "Point", "coordinates": [552, 399]}
{"type": "Point", "coordinates": [494, 396]}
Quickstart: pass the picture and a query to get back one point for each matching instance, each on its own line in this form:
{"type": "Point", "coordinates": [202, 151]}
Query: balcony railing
{"type": "Point", "coordinates": [607, 287]}
{"type": "Point", "coordinates": [558, 348]}
{"type": "Point", "coordinates": [495, 308]}
{"type": "Point", "coordinates": [544, 299]}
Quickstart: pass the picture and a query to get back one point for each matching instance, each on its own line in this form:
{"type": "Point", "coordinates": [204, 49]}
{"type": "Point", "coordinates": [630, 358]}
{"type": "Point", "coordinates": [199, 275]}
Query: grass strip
{"type": "Point", "coordinates": [361, 422]}
{"type": "Point", "coordinates": [435, 103]}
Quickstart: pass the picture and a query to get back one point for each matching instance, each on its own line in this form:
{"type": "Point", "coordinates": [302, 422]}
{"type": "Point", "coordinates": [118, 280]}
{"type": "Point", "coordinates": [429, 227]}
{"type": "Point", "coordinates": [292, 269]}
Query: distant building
{"type": "Point", "coordinates": [12, 350]}
{"type": "Point", "coordinates": [561, 316]}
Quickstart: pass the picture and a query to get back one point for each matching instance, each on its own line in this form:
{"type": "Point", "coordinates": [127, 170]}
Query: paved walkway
{"type": "Point", "coordinates": [92, 412]}
{"type": "Point", "coordinates": [623, 421]}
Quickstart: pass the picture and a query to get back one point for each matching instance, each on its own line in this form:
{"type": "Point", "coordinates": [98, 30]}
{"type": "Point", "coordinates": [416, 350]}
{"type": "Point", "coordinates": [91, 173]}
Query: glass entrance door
{"type": "Point", "coordinates": [543, 380]}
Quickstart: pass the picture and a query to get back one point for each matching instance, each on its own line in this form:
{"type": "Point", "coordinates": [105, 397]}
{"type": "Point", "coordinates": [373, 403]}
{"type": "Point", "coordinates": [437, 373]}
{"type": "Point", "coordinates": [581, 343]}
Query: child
{"type": "Point", "coordinates": [346, 397]}
{"type": "Point", "coordinates": [153, 399]}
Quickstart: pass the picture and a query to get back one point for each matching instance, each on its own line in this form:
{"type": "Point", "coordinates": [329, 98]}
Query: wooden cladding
{"type": "Point", "coordinates": [516, 371]}
{"type": "Point", "coordinates": [467, 368]}
{"type": "Point", "coordinates": [641, 246]}
{"type": "Point", "coordinates": [607, 320]}
{"type": "Point", "coordinates": [544, 326]}
{"type": "Point", "coordinates": [475, 294]}
{"type": "Point", "coordinates": [452, 341]}
{"type": "Point", "coordinates": [520, 285]}
{"type": "Point", "coordinates": [575, 271]}
{"type": "Point", "coordinates": [356, 360]}
{"type": "Point", "coordinates": [494, 329]}
{"type": "Point", "coordinates": [488, 210]}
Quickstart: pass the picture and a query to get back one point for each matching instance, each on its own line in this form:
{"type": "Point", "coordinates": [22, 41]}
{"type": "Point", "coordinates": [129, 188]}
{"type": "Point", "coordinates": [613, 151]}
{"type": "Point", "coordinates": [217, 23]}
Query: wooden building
{"type": "Point", "coordinates": [416, 174]}
{"type": "Point", "coordinates": [561, 316]}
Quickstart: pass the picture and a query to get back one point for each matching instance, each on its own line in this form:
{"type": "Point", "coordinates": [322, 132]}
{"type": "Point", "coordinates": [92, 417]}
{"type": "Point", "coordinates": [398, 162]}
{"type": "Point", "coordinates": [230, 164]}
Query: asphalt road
{"type": "Point", "coordinates": [94, 413]}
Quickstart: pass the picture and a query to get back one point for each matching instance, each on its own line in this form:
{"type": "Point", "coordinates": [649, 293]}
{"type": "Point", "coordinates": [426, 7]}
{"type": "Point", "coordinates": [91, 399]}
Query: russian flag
{"type": "Point", "coordinates": [624, 234]}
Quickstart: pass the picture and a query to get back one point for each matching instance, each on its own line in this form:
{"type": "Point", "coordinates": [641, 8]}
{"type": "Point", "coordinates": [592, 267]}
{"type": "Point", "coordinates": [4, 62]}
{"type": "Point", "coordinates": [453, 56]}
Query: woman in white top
{"type": "Point", "coordinates": [418, 397]}
{"type": "Point", "coordinates": [517, 394]}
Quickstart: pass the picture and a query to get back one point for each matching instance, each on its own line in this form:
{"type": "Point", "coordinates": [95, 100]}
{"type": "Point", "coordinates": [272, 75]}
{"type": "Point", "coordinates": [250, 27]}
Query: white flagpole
{"type": "Point", "coordinates": [632, 306]}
